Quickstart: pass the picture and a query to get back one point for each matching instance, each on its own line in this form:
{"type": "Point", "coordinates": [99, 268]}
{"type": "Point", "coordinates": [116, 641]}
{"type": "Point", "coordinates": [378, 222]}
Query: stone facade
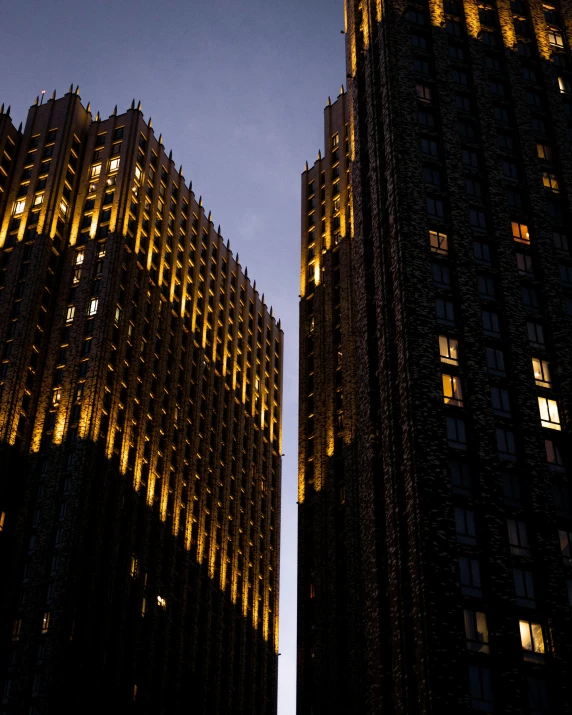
{"type": "Point", "coordinates": [140, 422]}
{"type": "Point", "coordinates": [461, 309]}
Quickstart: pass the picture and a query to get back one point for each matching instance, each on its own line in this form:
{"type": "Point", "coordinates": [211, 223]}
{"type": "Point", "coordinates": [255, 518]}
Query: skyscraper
{"type": "Point", "coordinates": [140, 418]}
{"type": "Point", "coordinates": [436, 532]}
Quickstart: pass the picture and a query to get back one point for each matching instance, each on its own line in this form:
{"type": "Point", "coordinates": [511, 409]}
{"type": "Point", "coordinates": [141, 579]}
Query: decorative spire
{"type": "Point", "coordinates": [54, 94]}
{"type": "Point", "coordinates": [77, 89]}
{"type": "Point", "coordinates": [150, 123]}
{"type": "Point", "coordinates": [115, 111]}
{"type": "Point", "coordinates": [319, 155]}
{"type": "Point", "coordinates": [171, 155]}
{"type": "Point", "coordinates": [210, 217]}
{"type": "Point", "coordinates": [181, 170]}
{"type": "Point", "coordinates": [342, 90]}
{"type": "Point", "coordinates": [278, 324]}
{"type": "Point", "coordinates": [133, 103]}
{"type": "Point", "coordinates": [160, 140]}
{"type": "Point", "coordinates": [97, 117]}
{"type": "Point", "coordinates": [8, 110]}
{"type": "Point", "coordinates": [37, 101]}
{"type": "Point", "coordinates": [71, 88]}
{"type": "Point", "coordinates": [307, 167]}
{"type": "Point", "coordinates": [201, 200]}
{"type": "Point", "coordinates": [2, 108]}
{"type": "Point", "coordinates": [20, 127]}
{"type": "Point", "coordinates": [246, 271]}
{"type": "Point", "coordinates": [88, 108]}
{"type": "Point", "coordinates": [139, 106]}
{"type": "Point", "coordinates": [254, 286]}
{"type": "Point", "coordinates": [329, 101]}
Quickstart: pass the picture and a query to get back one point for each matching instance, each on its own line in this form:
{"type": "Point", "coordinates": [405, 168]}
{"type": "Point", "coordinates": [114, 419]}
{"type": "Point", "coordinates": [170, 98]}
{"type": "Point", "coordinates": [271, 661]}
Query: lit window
{"type": "Point", "coordinates": [114, 165]}
{"type": "Point", "coordinates": [93, 306]}
{"type": "Point", "coordinates": [524, 587]}
{"type": "Point", "coordinates": [544, 152]}
{"type": "Point", "coordinates": [448, 350]}
{"type": "Point", "coordinates": [555, 38]}
{"type": "Point", "coordinates": [531, 637]}
{"type": "Point", "coordinates": [63, 207]}
{"type": "Point", "coordinates": [95, 170]}
{"type": "Point", "coordinates": [45, 622]}
{"type": "Point", "coordinates": [16, 628]}
{"type": "Point", "coordinates": [517, 537]}
{"type": "Point", "coordinates": [452, 392]}
{"type": "Point", "coordinates": [553, 456]}
{"type": "Point", "coordinates": [79, 256]}
{"type": "Point", "coordinates": [38, 199]}
{"type": "Point", "coordinates": [439, 243]}
{"type": "Point", "coordinates": [564, 85]}
{"type": "Point", "coordinates": [541, 372]}
{"type": "Point", "coordinates": [549, 416]}
{"type": "Point", "coordinates": [566, 546]}
{"type": "Point", "coordinates": [520, 232]}
{"type": "Point", "coordinates": [70, 313]}
{"type": "Point", "coordinates": [137, 173]}
{"type": "Point", "coordinates": [161, 602]}
{"type": "Point", "coordinates": [2, 520]}
{"type": "Point", "coordinates": [476, 631]}
{"type": "Point", "coordinates": [550, 181]}
{"type": "Point", "coordinates": [56, 397]}
{"type": "Point", "coordinates": [19, 207]}
{"type": "Point", "coordinates": [335, 140]}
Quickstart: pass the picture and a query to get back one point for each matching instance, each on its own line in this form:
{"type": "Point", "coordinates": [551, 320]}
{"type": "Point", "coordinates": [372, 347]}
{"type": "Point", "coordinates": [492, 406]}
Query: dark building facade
{"type": "Point", "coordinates": [435, 524]}
{"type": "Point", "coordinates": [140, 432]}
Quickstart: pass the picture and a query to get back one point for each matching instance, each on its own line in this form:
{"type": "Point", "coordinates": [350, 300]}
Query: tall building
{"type": "Point", "coordinates": [140, 432]}
{"type": "Point", "coordinates": [436, 524]}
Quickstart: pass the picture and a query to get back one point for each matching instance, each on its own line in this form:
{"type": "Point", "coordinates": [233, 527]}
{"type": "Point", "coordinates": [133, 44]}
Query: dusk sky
{"type": "Point", "coordinates": [237, 89]}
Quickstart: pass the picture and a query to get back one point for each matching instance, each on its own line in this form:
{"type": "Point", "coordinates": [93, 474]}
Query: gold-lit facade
{"type": "Point", "coordinates": [141, 393]}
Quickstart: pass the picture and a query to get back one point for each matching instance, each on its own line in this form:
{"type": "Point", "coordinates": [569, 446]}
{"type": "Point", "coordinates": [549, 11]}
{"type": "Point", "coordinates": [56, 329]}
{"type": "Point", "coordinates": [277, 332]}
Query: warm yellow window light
{"type": "Point", "coordinates": [95, 170]}
{"type": "Point", "coordinates": [114, 165]}
{"type": "Point", "coordinates": [520, 232]}
{"type": "Point", "coordinates": [452, 392]}
{"type": "Point", "coordinates": [19, 207]}
{"type": "Point", "coordinates": [531, 637]}
{"type": "Point", "coordinates": [448, 350]}
{"type": "Point", "coordinates": [541, 372]}
{"type": "Point", "coordinates": [549, 416]}
{"type": "Point", "coordinates": [438, 242]}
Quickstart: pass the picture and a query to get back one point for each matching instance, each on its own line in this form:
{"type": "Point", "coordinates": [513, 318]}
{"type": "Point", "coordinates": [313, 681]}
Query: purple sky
{"type": "Point", "coordinates": [237, 89]}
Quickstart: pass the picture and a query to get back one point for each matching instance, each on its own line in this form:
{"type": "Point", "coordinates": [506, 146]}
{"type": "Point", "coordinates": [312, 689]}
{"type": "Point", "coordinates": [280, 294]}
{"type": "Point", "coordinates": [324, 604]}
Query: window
{"type": "Point", "coordinates": [114, 165]}
{"type": "Point", "coordinates": [445, 311]}
{"type": "Point", "coordinates": [560, 242]}
{"type": "Point", "coordinates": [506, 444]}
{"type": "Point", "coordinates": [550, 181]}
{"type": "Point", "coordinates": [531, 637]}
{"type": "Point", "coordinates": [452, 392]}
{"type": "Point", "coordinates": [448, 350]}
{"type": "Point", "coordinates": [2, 520]}
{"type": "Point", "coordinates": [425, 118]}
{"type": "Point", "coordinates": [553, 456]}
{"type": "Point", "coordinates": [459, 77]}
{"type": "Point", "coordinates": [470, 158]}
{"type": "Point", "coordinates": [476, 631]}
{"type": "Point", "coordinates": [456, 433]}
{"type": "Point", "coordinates": [482, 253]}
{"type": "Point", "coordinates": [418, 41]}
{"type": "Point", "coordinates": [435, 208]}
{"type": "Point", "coordinates": [495, 361]}
{"type": "Point", "coordinates": [463, 104]}
{"type": "Point", "coordinates": [537, 697]}
{"type": "Point", "coordinates": [509, 170]}
{"type": "Point", "coordinates": [486, 286]}
{"type": "Point", "coordinates": [529, 297]}
{"type": "Point", "coordinates": [438, 242]}
{"type": "Point", "coordinates": [432, 175]}
{"type": "Point", "coordinates": [500, 400]}
{"type": "Point", "coordinates": [93, 306]}
{"type": "Point", "coordinates": [16, 629]}
{"type": "Point", "coordinates": [544, 152]}
{"type": "Point", "coordinates": [517, 537]}
{"type": "Point", "coordinates": [524, 264]}
{"type": "Point", "coordinates": [470, 577]}
{"type": "Point", "coordinates": [429, 147]}
{"type": "Point", "coordinates": [541, 372]}
{"type": "Point", "coordinates": [511, 489]}
{"type": "Point", "coordinates": [465, 526]}
{"type": "Point", "coordinates": [477, 219]}
{"type": "Point", "coordinates": [473, 188]}
{"type": "Point", "coordinates": [95, 170]}
{"type": "Point", "coordinates": [45, 622]}
{"type": "Point", "coordinates": [491, 324]}
{"type": "Point", "coordinates": [535, 334]}
{"type": "Point", "coordinates": [566, 546]}
{"type": "Point", "coordinates": [555, 38]}
{"type": "Point", "coordinates": [441, 275]}
{"type": "Point", "coordinates": [423, 92]}
{"type": "Point", "coordinates": [524, 587]}
{"type": "Point", "coordinates": [520, 232]}
{"type": "Point", "coordinates": [504, 141]}
{"type": "Point", "coordinates": [549, 416]}
{"type": "Point", "coordinates": [460, 477]}
{"type": "Point", "coordinates": [480, 688]}
{"type": "Point", "coordinates": [70, 313]}
{"type": "Point", "coordinates": [19, 207]}
{"type": "Point", "coordinates": [566, 274]}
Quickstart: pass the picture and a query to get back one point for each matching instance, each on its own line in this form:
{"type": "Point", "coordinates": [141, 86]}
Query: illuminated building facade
{"type": "Point", "coordinates": [140, 432]}
{"type": "Point", "coordinates": [436, 532]}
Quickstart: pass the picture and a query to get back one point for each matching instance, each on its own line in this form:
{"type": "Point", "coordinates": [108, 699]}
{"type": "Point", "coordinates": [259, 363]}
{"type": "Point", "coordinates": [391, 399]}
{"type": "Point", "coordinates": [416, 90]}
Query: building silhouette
{"type": "Point", "coordinates": [435, 372]}
{"type": "Point", "coordinates": [140, 432]}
